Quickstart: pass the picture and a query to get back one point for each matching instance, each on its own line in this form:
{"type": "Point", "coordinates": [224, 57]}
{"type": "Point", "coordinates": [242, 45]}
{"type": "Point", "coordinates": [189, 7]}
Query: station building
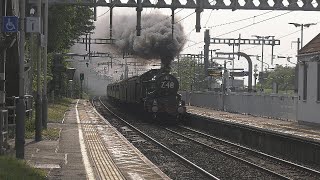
{"type": "Point", "coordinates": [309, 82]}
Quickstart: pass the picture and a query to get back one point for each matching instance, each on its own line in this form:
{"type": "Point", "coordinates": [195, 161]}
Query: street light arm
{"type": "Point", "coordinates": [295, 24]}
{"type": "Point", "coordinates": [262, 37]}
{"type": "Point", "coordinates": [258, 37]}
{"type": "Point", "coordinates": [310, 24]}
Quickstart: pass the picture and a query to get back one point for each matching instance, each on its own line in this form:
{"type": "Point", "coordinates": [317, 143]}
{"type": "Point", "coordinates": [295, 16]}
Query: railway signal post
{"type": "Point", "coordinates": [81, 81]}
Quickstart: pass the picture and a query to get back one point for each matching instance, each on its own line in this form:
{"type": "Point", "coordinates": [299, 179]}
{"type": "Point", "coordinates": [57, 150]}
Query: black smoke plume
{"type": "Point", "coordinates": [156, 40]}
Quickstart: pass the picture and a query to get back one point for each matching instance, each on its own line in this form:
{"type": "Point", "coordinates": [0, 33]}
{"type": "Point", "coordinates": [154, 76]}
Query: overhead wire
{"type": "Point", "coordinates": [283, 36]}
{"type": "Point", "coordinates": [107, 10]}
{"type": "Point", "coordinates": [253, 17]}
{"type": "Point", "coordinates": [165, 18]}
{"type": "Point", "coordinates": [193, 13]}
{"type": "Point", "coordinates": [224, 23]}
{"type": "Point", "coordinates": [161, 20]}
{"type": "Point", "coordinates": [240, 20]}
{"type": "Point", "coordinates": [190, 33]}
{"type": "Point", "coordinates": [250, 24]}
{"type": "Point", "coordinates": [184, 18]}
{"type": "Point", "coordinates": [254, 23]}
{"type": "Point", "coordinates": [157, 22]}
{"type": "Point", "coordinates": [244, 27]}
{"type": "Point", "coordinates": [208, 18]}
{"type": "Point", "coordinates": [257, 23]}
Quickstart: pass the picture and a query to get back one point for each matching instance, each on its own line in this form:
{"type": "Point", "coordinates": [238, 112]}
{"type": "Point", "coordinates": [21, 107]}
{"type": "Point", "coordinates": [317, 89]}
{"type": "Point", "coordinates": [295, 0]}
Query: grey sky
{"type": "Point", "coordinates": [277, 26]}
{"type": "Point", "coordinates": [221, 25]}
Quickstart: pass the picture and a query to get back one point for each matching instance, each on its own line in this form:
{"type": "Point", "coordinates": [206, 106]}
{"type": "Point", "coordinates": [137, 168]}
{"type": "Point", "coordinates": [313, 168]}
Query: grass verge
{"type": "Point", "coordinates": [13, 169]}
{"type": "Point", "coordinates": [55, 115]}
{"type": "Point", "coordinates": [47, 134]}
{"type": "Point", "coordinates": [57, 110]}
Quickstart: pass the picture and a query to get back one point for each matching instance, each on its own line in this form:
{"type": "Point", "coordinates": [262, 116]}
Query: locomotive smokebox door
{"type": "Point", "coordinates": [168, 83]}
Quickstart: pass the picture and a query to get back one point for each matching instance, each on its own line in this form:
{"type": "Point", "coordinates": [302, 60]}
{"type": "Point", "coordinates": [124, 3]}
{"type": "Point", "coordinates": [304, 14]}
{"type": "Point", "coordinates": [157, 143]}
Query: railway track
{"type": "Point", "coordinates": [297, 149]}
{"type": "Point", "coordinates": [270, 164]}
{"type": "Point", "coordinates": [100, 106]}
{"type": "Point", "coordinates": [210, 155]}
{"type": "Point", "coordinates": [225, 167]}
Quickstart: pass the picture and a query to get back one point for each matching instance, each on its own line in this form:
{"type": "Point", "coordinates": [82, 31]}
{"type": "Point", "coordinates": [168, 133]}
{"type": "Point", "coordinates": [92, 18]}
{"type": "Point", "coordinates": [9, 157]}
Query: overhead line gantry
{"type": "Point", "coordinates": [198, 5]}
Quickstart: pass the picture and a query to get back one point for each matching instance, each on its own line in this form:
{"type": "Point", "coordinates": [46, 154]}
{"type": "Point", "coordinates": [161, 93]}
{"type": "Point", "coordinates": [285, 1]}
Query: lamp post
{"type": "Point", "coordinates": [211, 54]}
{"type": "Point", "coordinates": [302, 26]}
{"type": "Point", "coordinates": [211, 64]}
{"type": "Point", "coordinates": [263, 38]}
{"type": "Point", "coordinates": [261, 73]}
{"type": "Point", "coordinates": [255, 76]}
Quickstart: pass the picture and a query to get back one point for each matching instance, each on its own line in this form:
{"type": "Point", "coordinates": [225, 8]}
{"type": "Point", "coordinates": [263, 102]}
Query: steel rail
{"type": "Point", "coordinates": [230, 155]}
{"type": "Point", "coordinates": [158, 143]}
{"type": "Point", "coordinates": [257, 152]}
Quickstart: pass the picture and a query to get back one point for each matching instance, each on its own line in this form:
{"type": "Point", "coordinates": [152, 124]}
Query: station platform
{"type": "Point", "coordinates": [290, 128]}
{"type": "Point", "coordinates": [90, 148]}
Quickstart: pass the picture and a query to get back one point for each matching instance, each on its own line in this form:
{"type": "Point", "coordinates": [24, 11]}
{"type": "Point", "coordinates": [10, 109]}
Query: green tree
{"type": "Point", "coordinates": [191, 74]}
{"type": "Point", "coordinates": [67, 23]}
{"type": "Point", "coordinates": [185, 72]}
{"type": "Point", "coordinates": [284, 76]}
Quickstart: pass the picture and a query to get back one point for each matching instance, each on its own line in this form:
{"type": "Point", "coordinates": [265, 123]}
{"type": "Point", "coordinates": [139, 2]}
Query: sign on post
{"type": "Point", "coordinates": [239, 74]}
{"type": "Point", "coordinates": [10, 24]}
{"type": "Point", "coordinates": [215, 73]}
{"type": "Point", "coordinates": [263, 75]}
{"type": "Point", "coordinates": [33, 24]}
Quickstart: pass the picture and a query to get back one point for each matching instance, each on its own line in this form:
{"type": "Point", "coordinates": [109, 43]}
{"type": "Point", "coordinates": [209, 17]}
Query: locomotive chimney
{"type": "Point", "coordinates": [166, 63]}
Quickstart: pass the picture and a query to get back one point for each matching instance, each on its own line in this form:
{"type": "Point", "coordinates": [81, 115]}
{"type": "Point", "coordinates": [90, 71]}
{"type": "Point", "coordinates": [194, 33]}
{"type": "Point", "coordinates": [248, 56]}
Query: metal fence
{"type": "Point", "coordinates": [3, 130]}
{"type": "Point", "coordinates": [8, 120]}
{"type": "Point", "coordinates": [264, 105]}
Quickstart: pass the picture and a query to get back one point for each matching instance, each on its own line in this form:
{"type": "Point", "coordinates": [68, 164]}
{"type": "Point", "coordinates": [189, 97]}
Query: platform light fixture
{"type": "Point", "coordinates": [302, 26]}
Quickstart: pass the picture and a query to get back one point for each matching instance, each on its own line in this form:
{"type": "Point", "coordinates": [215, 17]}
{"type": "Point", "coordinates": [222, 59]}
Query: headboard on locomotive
{"type": "Point", "coordinates": [167, 84]}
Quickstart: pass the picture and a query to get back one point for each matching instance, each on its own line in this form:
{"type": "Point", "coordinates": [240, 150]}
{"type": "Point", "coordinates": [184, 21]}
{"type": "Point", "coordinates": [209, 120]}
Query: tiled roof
{"type": "Point", "coordinates": [312, 47]}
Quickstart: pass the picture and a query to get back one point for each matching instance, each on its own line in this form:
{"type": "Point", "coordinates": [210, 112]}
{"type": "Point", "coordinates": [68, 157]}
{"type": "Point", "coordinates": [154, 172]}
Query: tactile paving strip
{"type": "Point", "coordinates": [106, 139]}
{"type": "Point", "coordinates": [100, 158]}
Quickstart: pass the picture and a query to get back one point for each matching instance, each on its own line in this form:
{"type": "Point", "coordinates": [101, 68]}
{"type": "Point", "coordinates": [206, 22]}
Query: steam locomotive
{"type": "Point", "coordinates": [156, 91]}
